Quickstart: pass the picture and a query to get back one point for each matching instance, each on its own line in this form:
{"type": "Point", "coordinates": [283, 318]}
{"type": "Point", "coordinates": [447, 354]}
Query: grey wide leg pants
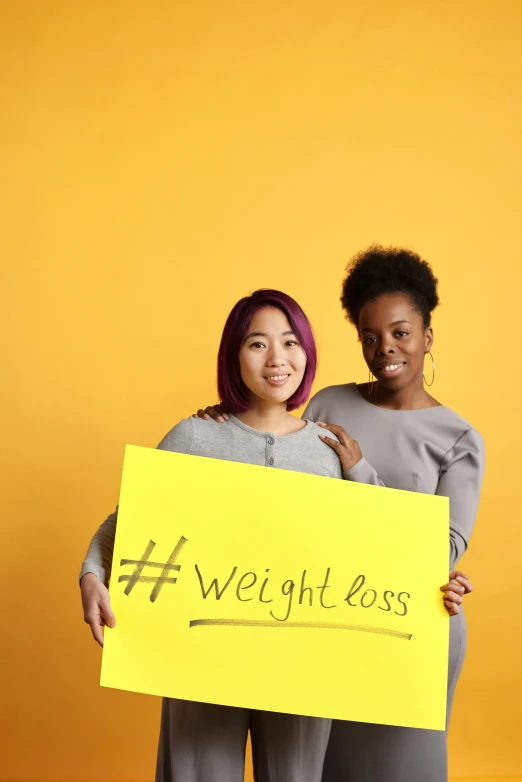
{"type": "Point", "coordinates": [202, 742]}
{"type": "Point", "coordinates": [362, 752]}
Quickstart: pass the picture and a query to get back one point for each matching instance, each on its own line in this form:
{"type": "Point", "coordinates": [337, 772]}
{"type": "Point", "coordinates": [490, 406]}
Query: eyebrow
{"type": "Point", "coordinates": [395, 323]}
{"type": "Point", "coordinates": [262, 334]}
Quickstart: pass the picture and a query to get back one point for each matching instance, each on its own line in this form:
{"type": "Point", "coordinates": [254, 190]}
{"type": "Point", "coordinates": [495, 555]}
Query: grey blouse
{"type": "Point", "coordinates": [301, 451]}
{"type": "Point", "coordinates": [433, 451]}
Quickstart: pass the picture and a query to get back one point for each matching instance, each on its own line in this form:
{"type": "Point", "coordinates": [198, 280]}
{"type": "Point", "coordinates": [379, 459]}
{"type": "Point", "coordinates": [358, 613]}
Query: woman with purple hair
{"type": "Point", "coordinates": [266, 367]}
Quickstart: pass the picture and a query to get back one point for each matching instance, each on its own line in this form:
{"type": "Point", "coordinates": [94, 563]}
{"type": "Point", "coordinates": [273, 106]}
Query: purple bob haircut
{"type": "Point", "coordinates": [233, 394]}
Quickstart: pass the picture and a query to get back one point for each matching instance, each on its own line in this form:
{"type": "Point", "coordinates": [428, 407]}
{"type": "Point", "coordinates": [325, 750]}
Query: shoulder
{"type": "Point", "coordinates": [313, 431]}
{"type": "Point", "coordinates": [179, 438]}
{"type": "Point", "coordinates": [337, 404]}
{"type": "Point", "coordinates": [191, 435]}
{"type": "Point", "coordinates": [465, 433]}
{"type": "Point", "coordinates": [334, 392]}
{"type": "Point", "coordinates": [470, 442]}
{"type": "Point", "coordinates": [467, 445]}
{"type": "Point", "coordinates": [331, 397]}
{"type": "Point", "coordinates": [320, 452]}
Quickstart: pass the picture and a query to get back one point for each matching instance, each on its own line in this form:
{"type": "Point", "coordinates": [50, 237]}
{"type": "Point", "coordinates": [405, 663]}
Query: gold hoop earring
{"type": "Point", "coordinates": [370, 382]}
{"type": "Point", "coordinates": [432, 371]}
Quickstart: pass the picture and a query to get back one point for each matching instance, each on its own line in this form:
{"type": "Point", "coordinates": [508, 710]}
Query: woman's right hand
{"type": "Point", "coordinates": [96, 603]}
{"type": "Point", "coordinates": [212, 412]}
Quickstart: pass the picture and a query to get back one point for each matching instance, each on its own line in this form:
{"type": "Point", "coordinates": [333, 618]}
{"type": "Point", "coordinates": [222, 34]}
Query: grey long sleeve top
{"type": "Point", "coordinates": [301, 451]}
{"type": "Point", "coordinates": [433, 451]}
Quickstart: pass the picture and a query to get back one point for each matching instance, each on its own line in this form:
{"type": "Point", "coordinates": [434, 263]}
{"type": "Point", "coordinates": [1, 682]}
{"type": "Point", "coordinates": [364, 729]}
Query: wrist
{"type": "Point", "coordinates": [348, 463]}
{"type": "Point", "coordinates": [88, 577]}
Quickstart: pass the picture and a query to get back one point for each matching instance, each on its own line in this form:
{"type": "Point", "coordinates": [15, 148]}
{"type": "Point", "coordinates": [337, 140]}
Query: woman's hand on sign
{"type": "Point", "coordinates": [216, 413]}
{"type": "Point", "coordinates": [453, 592]}
{"type": "Point", "coordinates": [348, 450]}
{"type": "Point", "coordinates": [96, 603]}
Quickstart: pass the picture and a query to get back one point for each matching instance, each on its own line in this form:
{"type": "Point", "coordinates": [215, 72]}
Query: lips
{"type": "Point", "coordinates": [391, 369]}
{"type": "Point", "coordinates": [277, 380]}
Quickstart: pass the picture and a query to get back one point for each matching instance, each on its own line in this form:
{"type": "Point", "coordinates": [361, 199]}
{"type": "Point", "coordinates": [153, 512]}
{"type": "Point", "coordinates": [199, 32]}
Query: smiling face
{"type": "Point", "coordinates": [271, 360]}
{"type": "Point", "coordinates": [394, 340]}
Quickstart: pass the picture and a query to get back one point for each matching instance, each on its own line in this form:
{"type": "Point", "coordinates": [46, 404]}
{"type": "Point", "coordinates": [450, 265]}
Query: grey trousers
{"type": "Point", "coordinates": [202, 742]}
{"type": "Point", "coordinates": [362, 752]}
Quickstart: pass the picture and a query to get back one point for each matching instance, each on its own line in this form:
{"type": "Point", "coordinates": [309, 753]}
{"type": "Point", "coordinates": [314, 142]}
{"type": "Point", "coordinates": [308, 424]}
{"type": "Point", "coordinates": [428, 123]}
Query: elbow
{"type": "Point", "coordinates": [458, 548]}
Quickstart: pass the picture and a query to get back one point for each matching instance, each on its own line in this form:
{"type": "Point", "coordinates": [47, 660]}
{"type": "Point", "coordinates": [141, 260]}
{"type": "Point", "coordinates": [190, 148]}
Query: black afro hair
{"type": "Point", "coordinates": [383, 270]}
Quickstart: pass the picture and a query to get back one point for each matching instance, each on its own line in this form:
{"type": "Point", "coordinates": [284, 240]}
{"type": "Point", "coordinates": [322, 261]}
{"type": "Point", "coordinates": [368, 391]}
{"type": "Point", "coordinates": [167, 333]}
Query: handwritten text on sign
{"type": "Point", "coordinates": [213, 557]}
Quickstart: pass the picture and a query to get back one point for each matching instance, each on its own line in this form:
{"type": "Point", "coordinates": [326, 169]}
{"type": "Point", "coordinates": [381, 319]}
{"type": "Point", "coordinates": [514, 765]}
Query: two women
{"type": "Point", "coordinates": [400, 436]}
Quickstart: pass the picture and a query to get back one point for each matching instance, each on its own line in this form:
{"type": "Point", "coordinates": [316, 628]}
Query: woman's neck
{"type": "Point", "coordinates": [408, 398]}
{"type": "Point", "coordinates": [270, 418]}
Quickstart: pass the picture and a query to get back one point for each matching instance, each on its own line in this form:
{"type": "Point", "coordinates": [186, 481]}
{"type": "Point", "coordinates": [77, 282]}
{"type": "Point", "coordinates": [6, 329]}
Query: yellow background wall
{"type": "Point", "coordinates": [162, 159]}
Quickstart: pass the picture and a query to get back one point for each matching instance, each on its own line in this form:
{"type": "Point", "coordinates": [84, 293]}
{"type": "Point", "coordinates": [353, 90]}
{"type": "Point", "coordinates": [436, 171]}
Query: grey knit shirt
{"type": "Point", "coordinates": [301, 451]}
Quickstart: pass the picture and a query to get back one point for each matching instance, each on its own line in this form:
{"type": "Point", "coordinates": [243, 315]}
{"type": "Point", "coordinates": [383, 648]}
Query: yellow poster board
{"type": "Point", "coordinates": [276, 590]}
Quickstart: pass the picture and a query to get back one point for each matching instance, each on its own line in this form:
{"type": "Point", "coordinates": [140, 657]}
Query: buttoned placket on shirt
{"type": "Point", "coordinates": [269, 449]}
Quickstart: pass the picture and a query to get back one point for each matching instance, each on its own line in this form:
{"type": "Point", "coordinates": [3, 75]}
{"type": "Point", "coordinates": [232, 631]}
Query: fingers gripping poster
{"type": "Point", "coordinates": [269, 589]}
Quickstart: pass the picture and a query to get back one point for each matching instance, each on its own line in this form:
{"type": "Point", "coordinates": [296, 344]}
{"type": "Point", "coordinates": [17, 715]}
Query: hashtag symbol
{"type": "Point", "coordinates": [166, 568]}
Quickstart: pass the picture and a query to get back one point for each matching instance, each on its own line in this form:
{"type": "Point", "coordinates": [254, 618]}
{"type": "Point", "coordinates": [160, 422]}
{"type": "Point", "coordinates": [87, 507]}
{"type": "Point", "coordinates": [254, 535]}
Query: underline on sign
{"type": "Point", "coordinates": [304, 625]}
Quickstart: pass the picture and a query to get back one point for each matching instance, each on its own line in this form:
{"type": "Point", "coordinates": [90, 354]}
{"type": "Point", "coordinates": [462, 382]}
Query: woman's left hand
{"type": "Point", "coordinates": [458, 586]}
{"type": "Point", "coordinates": [348, 450]}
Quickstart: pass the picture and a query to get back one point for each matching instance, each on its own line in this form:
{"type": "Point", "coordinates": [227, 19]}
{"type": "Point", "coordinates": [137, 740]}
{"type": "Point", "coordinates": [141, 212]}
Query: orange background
{"type": "Point", "coordinates": [162, 159]}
